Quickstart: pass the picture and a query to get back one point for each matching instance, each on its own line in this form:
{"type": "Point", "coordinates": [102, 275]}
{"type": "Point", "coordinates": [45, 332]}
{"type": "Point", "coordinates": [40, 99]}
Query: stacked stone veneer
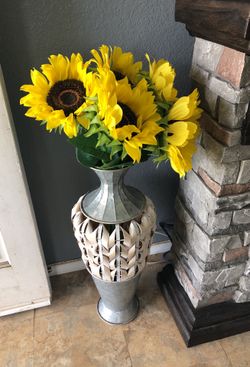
{"type": "Point", "coordinates": [212, 229]}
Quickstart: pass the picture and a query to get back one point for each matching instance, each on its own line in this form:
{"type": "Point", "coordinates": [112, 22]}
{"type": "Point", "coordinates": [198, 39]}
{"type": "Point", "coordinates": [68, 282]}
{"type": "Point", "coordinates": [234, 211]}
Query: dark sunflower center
{"type": "Point", "coordinates": [128, 117]}
{"type": "Point", "coordinates": [118, 75]}
{"type": "Point", "coordinates": [67, 95]}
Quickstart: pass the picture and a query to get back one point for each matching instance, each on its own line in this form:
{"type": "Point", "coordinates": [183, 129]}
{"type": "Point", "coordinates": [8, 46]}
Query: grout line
{"type": "Point", "coordinates": [229, 359]}
{"type": "Point", "coordinates": [130, 358]}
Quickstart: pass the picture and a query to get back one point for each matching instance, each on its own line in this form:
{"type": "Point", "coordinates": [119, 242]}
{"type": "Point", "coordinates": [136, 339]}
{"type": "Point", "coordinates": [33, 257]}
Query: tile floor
{"type": "Point", "coordinates": [70, 334]}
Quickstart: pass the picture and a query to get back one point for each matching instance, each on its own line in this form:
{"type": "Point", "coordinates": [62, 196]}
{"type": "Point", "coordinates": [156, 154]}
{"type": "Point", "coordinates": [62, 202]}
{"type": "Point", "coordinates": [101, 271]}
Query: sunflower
{"type": "Point", "coordinates": [181, 158]}
{"type": "Point", "coordinates": [128, 113]}
{"type": "Point", "coordinates": [121, 63]}
{"type": "Point", "coordinates": [181, 137]}
{"type": "Point", "coordinates": [182, 132]}
{"type": "Point", "coordinates": [58, 93]}
{"type": "Point", "coordinates": [186, 108]}
{"type": "Point", "coordinates": [162, 76]}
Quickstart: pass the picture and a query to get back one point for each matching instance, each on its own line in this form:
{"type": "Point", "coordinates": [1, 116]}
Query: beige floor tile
{"type": "Point", "coordinates": [16, 340]}
{"type": "Point", "coordinates": [71, 290]}
{"type": "Point", "coordinates": [77, 337]}
{"type": "Point", "coordinates": [158, 348]}
{"type": "Point", "coordinates": [237, 349]}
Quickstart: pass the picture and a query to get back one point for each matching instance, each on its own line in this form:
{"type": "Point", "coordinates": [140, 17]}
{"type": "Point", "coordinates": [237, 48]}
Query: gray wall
{"type": "Point", "coordinates": [31, 30]}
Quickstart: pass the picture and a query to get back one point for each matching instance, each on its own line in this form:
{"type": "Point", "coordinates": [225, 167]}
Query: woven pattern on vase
{"type": "Point", "coordinates": [114, 252]}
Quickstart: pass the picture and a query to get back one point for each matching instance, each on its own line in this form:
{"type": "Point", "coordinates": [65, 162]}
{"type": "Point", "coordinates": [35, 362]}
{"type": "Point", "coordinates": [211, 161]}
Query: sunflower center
{"type": "Point", "coordinates": [128, 116]}
{"type": "Point", "coordinates": [67, 95]}
{"type": "Point", "coordinates": [118, 75]}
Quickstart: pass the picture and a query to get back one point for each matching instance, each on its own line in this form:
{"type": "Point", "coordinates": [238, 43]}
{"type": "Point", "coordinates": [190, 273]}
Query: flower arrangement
{"type": "Point", "coordinates": [115, 113]}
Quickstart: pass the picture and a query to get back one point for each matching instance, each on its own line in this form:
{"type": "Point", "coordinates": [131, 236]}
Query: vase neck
{"type": "Point", "coordinates": [111, 178]}
{"type": "Point", "coordinates": [113, 202]}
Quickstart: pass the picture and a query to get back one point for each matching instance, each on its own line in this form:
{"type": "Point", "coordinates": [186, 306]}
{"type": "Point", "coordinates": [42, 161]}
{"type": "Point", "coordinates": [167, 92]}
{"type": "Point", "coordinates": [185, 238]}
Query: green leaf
{"type": "Point", "coordinates": [91, 98]}
{"type": "Point", "coordinates": [86, 151]}
{"type": "Point", "coordinates": [150, 148]}
{"type": "Point", "coordinates": [92, 108]}
{"type": "Point", "coordinates": [111, 164]}
{"type": "Point", "coordinates": [124, 154]}
{"type": "Point", "coordinates": [60, 129]}
{"type": "Point", "coordinates": [163, 105]}
{"type": "Point", "coordinates": [160, 159]}
{"type": "Point", "coordinates": [95, 120]}
{"type": "Point", "coordinates": [116, 164]}
{"type": "Point", "coordinates": [92, 130]}
{"type": "Point", "coordinates": [114, 143]}
{"type": "Point", "coordinates": [86, 159]}
{"type": "Point", "coordinates": [103, 139]}
{"type": "Point", "coordinates": [145, 155]}
{"type": "Point", "coordinates": [89, 115]}
{"type": "Point", "coordinates": [115, 149]}
{"type": "Point", "coordinates": [163, 121]}
{"type": "Point", "coordinates": [83, 142]}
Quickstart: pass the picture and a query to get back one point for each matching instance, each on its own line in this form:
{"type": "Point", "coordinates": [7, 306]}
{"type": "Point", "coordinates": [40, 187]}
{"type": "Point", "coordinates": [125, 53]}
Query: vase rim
{"type": "Point", "coordinates": [109, 170]}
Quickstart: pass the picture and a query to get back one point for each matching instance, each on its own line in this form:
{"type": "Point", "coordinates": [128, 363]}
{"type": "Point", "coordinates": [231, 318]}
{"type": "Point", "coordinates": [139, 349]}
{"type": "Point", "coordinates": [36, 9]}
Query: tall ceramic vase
{"type": "Point", "coordinates": [114, 225]}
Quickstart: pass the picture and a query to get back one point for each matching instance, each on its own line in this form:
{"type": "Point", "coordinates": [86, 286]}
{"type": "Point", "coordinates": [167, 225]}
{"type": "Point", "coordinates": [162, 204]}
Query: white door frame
{"type": "Point", "coordinates": [24, 281]}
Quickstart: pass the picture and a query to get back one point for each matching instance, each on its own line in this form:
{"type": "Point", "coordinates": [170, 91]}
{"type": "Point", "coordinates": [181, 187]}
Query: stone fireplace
{"type": "Point", "coordinates": [212, 228]}
{"type": "Point", "coordinates": [209, 289]}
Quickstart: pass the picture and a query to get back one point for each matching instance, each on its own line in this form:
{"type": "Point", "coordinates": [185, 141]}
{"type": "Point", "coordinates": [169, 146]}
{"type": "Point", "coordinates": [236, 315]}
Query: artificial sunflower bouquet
{"type": "Point", "coordinates": [115, 113]}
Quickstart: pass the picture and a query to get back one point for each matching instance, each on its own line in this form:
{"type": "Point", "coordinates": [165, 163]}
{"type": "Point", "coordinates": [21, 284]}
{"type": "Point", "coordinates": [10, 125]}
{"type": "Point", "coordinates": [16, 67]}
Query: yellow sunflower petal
{"type": "Point", "coordinates": [162, 75]}
{"type": "Point", "coordinates": [180, 132]}
{"type": "Point", "coordinates": [55, 119]}
{"type": "Point", "coordinates": [123, 62]}
{"type": "Point", "coordinates": [102, 59]}
{"type": "Point", "coordinates": [83, 121]}
{"type": "Point", "coordinates": [169, 93]}
{"type": "Point", "coordinates": [176, 160]}
{"type": "Point", "coordinates": [75, 61]}
{"type": "Point", "coordinates": [142, 85]}
{"type": "Point", "coordinates": [113, 116]}
{"type": "Point", "coordinates": [148, 133]}
{"type": "Point", "coordinates": [133, 151]}
{"type": "Point", "coordinates": [186, 108]}
{"type": "Point", "coordinates": [31, 112]}
{"type": "Point", "coordinates": [38, 79]}
{"type": "Point", "coordinates": [181, 158]}
{"type": "Point", "coordinates": [124, 132]}
{"type": "Point", "coordinates": [57, 69]}
{"type": "Point", "coordinates": [70, 126]}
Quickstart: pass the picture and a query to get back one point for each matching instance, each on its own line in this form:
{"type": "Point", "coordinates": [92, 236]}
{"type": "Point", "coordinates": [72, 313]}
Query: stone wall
{"type": "Point", "coordinates": [212, 229]}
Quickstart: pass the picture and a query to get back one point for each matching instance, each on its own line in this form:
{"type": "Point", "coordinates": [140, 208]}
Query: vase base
{"type": "Point", "coordinates": [118, 317]}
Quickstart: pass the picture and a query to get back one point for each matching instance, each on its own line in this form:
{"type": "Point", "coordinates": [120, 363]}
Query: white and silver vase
{"type": "Point", "coordinates": [114, 225]}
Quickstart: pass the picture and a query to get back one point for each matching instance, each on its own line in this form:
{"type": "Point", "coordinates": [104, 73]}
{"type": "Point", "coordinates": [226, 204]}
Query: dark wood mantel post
{"type": "Point", "coordinates": [226, 22]}
{"type": "Point", "coordinates": [208, 286]}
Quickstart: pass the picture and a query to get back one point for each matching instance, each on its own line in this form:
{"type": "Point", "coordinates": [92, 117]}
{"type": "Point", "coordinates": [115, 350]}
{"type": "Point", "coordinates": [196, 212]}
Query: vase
{"type": "Point", "coordinates": [114, 225]}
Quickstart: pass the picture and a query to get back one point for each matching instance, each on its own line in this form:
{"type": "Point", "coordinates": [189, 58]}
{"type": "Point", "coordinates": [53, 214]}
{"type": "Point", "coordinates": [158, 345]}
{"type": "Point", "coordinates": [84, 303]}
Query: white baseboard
{"type": "Point", "coordinates": [160, 247]}
{"type": "Point", "coordinates": [66, 267]}
{"type": "Point", "coordinates": [70, 266]}
{"type": "Point", "coordinates": [21, 308]}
